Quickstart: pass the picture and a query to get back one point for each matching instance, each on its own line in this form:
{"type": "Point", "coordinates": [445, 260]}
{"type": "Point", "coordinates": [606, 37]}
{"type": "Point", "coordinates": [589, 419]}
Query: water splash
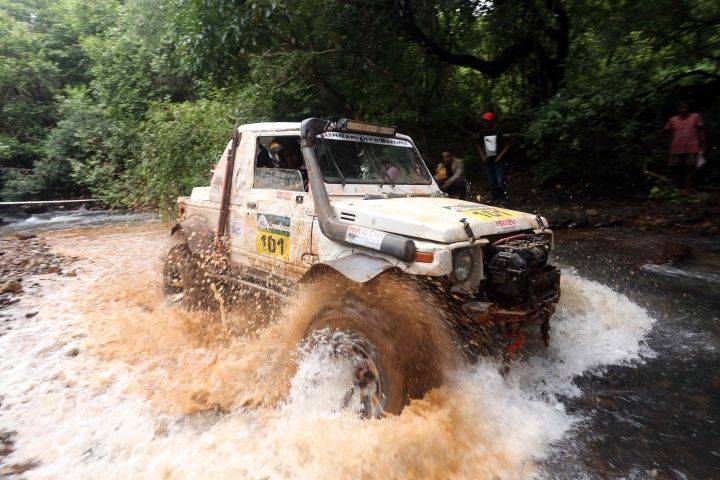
{"type": "Point", "coordinates": [159, 392]}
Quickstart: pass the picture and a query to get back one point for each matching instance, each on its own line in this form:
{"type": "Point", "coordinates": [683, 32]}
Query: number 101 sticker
{"type": "Point", "coordinates": [272, 236]}
{"type": "Point", "coordinates": [273, 244]}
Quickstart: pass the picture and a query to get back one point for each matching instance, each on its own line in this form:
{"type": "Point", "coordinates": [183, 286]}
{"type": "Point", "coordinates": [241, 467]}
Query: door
{"type": "Point", "coordinates": [274, 221]}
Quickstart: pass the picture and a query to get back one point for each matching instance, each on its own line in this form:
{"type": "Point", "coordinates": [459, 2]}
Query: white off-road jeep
{"type": "Point", "coordinates": [294, 203]}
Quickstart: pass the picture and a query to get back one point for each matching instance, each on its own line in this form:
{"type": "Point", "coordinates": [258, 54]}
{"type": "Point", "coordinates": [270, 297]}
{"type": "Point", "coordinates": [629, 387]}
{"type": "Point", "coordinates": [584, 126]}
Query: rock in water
{"type": "Point", "coordinates": [12, 286]}
{"type": "Point", "coordinates": [24, 236]}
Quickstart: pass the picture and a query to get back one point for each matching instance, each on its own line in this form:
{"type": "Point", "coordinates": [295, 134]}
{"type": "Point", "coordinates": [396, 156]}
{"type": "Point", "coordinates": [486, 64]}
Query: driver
{"type": "Point", "coordinates": [286, 154]}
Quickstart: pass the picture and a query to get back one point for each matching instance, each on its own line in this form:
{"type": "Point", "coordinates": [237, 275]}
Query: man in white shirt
{"type": "Point", "coordinates": [493, 148]}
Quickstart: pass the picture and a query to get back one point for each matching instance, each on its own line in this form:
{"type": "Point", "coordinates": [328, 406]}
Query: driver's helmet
{"type": "Point", "coordinates": [276, 149]}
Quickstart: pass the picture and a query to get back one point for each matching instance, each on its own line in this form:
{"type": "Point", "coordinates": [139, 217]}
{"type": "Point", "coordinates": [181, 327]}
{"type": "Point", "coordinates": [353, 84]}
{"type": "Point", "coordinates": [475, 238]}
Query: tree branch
{"type": "Point", "coordinates": [492, 68]}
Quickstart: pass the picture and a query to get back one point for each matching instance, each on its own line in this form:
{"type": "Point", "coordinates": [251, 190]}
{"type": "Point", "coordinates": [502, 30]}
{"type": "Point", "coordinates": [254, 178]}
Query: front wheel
{"type": "Point", "coordinates": [393, 353]}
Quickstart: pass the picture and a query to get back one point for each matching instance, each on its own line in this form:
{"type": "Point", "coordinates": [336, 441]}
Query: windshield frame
{"type": "Point", "coordinates": [343, 179]}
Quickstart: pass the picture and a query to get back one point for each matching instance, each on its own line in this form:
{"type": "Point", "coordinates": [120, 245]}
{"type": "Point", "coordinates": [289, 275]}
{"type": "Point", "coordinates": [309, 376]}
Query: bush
{"type": "Point", "coordinates": [594, 139]}
{"type": "Point", "coordinates": [181, 141]}
{"type": "Point", "coordinates": [180, 144]}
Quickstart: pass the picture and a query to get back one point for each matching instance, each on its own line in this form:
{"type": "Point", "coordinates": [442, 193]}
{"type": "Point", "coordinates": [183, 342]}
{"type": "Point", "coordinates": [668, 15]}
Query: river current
{"type": "Point", "coordinates": [110, 380]}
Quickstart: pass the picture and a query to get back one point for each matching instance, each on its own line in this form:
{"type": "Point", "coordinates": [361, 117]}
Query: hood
{"type": "Point", "coordinates": [432, 218]}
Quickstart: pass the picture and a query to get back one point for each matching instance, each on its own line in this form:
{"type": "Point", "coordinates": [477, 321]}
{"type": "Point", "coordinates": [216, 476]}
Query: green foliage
{"type": "Point", "coordinates": [28, 81]}
{"type": "Point", "coordinates": [593, 139]}
{"type": "Point", "coordinates": [180, 144]}
{"type": "Point", "coordinates": [131, 101]}
{"type": "Point", "coordinates": [670, 194]}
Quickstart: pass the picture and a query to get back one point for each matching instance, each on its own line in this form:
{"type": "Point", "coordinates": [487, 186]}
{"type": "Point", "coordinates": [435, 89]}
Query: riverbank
{"type": "Point", "coordinates": [24, 255]}
{"type": "Point", "coordinates": [701, 216]}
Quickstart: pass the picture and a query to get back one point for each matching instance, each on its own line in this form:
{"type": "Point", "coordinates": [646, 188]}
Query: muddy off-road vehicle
{"type": "Point", "coordinates": [293, 203]}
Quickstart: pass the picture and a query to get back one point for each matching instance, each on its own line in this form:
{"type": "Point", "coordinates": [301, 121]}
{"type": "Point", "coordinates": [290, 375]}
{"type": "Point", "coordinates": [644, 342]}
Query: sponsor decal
{"type": "Point", "coordinates": [364, 237]}
{"type": "Point", "coordinates": [357, 137]}
{"type": "Point", "coordinates": [236, 227]}
{"type": "Point", "coordinates": [272, 236]}
{"type": "Point", "coordinates": [282, 195]}
{"type": "Point", "coordinates": [507, 224]}
{"type": "Point", "coordinates": [483, 212]}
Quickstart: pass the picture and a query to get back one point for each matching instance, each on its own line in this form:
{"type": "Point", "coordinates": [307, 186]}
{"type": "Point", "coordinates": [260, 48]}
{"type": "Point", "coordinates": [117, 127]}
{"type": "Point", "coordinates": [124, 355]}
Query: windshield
{"type": "Point", "coordinates": [352, 158]}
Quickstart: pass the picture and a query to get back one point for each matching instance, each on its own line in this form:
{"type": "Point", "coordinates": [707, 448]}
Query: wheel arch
{"type": "Point", "coordinates": [357, 267]}
{"type": "Point", "coordinates": [197, 233]}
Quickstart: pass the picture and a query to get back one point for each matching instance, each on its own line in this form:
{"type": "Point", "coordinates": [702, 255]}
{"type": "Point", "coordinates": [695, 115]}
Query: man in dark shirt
{"type": "Point", "coordinates": [455, 184]}
{"type": "Point", "coordinates": [493, 148]}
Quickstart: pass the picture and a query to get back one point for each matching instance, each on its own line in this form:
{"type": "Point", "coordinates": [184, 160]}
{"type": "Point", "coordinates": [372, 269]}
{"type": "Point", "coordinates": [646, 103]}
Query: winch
{"type": "Point", "coordinates": [518, 273]}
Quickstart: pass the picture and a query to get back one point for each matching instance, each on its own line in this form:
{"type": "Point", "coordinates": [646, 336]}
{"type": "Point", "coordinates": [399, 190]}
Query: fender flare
{"type": "Point", "coordinates": [197, 233]}
{"type": "Point", "coordinates": [358, 267]}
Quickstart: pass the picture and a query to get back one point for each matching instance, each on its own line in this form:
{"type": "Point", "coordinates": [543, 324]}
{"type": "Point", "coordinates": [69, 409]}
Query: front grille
{"type": "Point", "coordinates": [348, 217]}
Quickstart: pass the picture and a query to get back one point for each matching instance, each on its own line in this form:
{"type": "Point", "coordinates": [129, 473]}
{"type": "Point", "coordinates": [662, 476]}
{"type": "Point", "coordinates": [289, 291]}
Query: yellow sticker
{"type": "Point", "coordinates": [491, 213]}
{"type": "Point", "coordinates": [483, 213]}
{"type": "Point", "coordinates": [273, 244]}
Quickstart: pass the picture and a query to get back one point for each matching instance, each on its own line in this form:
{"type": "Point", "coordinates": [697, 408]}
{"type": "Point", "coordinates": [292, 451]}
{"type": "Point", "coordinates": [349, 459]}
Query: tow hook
{"type": "Point", "coordinates": [468, 230]}
{"type": "Point", "coordinates": [516, 339]}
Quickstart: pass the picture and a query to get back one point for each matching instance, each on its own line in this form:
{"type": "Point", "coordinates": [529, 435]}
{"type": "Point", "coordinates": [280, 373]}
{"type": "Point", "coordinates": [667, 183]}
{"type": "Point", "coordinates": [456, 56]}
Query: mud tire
{"type": "Point", "coordinates": [403, 375]}
{"type": "Point", "coordinates": [172, 266]}
{"type": "Point", "coordinates": [183, 272]}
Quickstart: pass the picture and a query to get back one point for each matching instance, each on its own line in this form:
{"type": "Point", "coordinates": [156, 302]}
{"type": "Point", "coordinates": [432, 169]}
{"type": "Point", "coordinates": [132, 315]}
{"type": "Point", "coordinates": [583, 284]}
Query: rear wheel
{"type": "Point", "coordinates": [171, 276]}
{"type": "Point", "coordinates": [184, 272]}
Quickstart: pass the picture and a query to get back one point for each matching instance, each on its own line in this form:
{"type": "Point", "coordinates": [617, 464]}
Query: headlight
{"type": "Point", "coordinates": [463, 264]}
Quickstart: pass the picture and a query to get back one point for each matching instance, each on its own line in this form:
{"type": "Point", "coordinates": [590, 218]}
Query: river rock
{"type": "Point", "coordinates": [674, 252]}
{"type": "Point", "coordinates": [559, 218]}
{"type": "Point", "coordinates": [12, 286]}
{"type": "Point", "coordinates": [18, 468]}
{"type": "Point", "coordinates": [25, 235]}
{"type": "Point", "coordinates": [73, 352]}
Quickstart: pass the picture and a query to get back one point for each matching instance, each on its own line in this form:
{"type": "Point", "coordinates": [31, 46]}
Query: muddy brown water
{"type": "Point", "coordinates": [109, 380]}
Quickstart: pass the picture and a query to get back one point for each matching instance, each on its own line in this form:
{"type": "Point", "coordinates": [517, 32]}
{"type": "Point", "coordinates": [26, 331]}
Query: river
{"type": "Point", "coordinates": [109, 380]}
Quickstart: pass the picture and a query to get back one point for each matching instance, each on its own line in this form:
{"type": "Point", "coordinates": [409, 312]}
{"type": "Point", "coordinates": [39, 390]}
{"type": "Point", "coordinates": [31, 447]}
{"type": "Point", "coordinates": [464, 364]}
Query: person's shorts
{"type": "Point", "coordinates": [683, 159]}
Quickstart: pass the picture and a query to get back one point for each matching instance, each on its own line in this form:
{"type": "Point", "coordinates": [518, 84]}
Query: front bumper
{"type": "Point", "coordinates": [543, 292]}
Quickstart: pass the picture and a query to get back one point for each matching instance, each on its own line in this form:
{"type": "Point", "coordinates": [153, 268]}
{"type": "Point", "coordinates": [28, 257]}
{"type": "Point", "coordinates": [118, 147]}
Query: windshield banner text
{"type": "Point", "coordinates": [355, 137]}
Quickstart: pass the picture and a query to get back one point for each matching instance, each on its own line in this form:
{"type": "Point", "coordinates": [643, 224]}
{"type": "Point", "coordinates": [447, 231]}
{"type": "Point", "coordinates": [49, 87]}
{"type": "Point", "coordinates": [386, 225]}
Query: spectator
{"type": "Point", "coordinates": [687, 146]}
{"type": "Point", "coordinates": [493, 153]}
{"type": "Point", "coordinates": [455, 184]}
{"type": "Point", "coordinates": [391, 169]}
{"type": "Point", "coordinates": [440, 173]}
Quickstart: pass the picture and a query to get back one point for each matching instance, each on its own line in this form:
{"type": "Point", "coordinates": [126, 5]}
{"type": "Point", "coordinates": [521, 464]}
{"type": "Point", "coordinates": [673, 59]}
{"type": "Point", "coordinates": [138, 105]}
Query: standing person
{"type": "Point", "coordinates": [687, 146]}
{"type": "Point", "coordinates": [454, 184]}
{"type": "Point", "coordinates": [493, 149]}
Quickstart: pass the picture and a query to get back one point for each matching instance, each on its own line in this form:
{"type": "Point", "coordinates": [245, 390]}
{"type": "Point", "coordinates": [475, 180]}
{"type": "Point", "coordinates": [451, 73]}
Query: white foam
{"type": "Point", "coordinates": [593, 327]}
{"type": "Point", "coordinates": [669, 270]}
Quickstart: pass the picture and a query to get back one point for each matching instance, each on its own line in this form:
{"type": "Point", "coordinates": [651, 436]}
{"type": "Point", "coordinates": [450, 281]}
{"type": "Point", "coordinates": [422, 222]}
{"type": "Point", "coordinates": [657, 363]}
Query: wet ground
{"type": "Point", "coordinates": [109, 380]}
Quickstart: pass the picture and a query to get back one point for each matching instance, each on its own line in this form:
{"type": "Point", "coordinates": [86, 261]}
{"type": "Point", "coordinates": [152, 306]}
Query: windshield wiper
{"type": "Point", "coordinates": [332, 159]}
{"type": "Point", "coordinates": [378, 164]}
